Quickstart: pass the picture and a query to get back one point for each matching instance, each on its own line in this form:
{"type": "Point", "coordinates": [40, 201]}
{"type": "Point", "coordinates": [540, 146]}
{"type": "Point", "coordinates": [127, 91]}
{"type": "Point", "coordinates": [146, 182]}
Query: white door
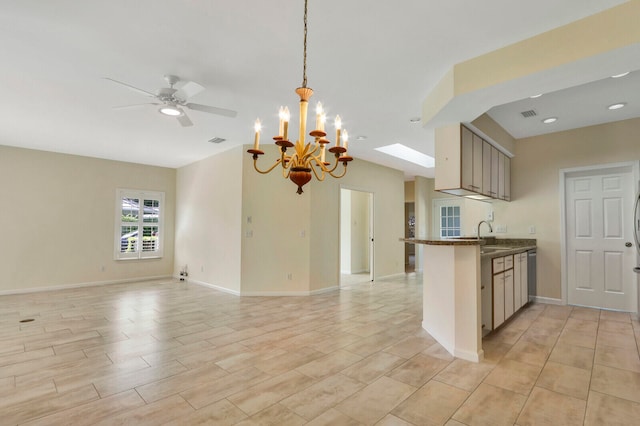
{"type": "Point", "coordinates": [599, 216]}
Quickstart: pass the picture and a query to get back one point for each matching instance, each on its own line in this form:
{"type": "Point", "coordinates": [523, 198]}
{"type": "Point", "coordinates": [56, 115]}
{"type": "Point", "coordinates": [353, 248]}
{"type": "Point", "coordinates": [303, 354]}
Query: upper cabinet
{"type": "Point", "coordinates": [468, 165]}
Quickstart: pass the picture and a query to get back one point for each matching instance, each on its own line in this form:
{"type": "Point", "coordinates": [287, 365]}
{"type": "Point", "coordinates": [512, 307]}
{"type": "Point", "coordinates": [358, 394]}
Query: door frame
{"type": "Point", "coordinates": [633, 166]}
{"type": "Point", "coordinates": [371, 231]}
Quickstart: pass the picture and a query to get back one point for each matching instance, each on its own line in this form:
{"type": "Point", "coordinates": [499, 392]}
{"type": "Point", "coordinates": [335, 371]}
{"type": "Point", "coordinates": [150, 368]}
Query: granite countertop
{"type": "Point", "coordinates": [490, 246]}
{"type": "Point", "coordinates": [445, 241]}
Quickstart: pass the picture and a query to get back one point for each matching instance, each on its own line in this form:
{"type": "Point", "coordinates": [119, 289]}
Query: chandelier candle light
{"type": "Point", "coordinates": [307, 158]}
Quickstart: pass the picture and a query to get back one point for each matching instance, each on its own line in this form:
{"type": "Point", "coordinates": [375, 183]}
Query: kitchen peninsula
{"type": "Point", "coordinates": [452, 299]}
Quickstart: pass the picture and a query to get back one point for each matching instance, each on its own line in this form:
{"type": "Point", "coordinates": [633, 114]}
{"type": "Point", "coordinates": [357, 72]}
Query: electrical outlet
{"type": "Point", "coordinates": [490, 216]}
{"type": "Point", "coordinates": [249, 233]}
{"type": "Point", "coordinates": [532, 229]}
{"type": "Point", "coordinates": [289, 276]}
{"type": "Point", "coordinates": [302, 233]}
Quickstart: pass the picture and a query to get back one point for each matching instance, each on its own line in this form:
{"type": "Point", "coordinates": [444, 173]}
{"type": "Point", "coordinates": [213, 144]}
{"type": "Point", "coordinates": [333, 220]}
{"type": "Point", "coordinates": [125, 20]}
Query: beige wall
{"type": "Point", "coordinates": [279, 229]}
{"type": "Point", "coordinates": [208, 220]}
{"type": "Point", "coordinates": [58, 217]}
{"type": "Point", "coordinates": [387, 186]}
{"type": "Point", "coordinates": [535, 185]}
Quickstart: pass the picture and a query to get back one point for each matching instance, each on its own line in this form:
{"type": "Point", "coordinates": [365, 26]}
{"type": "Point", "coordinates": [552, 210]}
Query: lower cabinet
{"type": "Point", "coordinates": [509, 286]}
{"type": "Point", "coordinates": [498, 299]}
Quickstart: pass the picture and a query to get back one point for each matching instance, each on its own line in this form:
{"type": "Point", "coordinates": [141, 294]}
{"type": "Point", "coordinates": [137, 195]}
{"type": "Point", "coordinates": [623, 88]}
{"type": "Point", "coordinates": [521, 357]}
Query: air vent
{"type": "Point", "coordinates": [530, 113]}
{"type": "Point", "coordinates": [217, 140]}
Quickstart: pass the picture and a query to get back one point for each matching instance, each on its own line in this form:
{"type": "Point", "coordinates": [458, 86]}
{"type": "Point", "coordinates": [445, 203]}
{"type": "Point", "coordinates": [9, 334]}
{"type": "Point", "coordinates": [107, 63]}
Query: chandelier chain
{"type": "Point", "coordinates": [304, 68]}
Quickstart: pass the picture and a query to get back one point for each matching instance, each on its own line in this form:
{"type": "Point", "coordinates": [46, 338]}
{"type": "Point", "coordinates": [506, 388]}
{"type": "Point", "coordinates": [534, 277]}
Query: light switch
{"type": "Point", "coordinates": [249, 233]}
{"type": "Point", "coordinates": [532, 229]}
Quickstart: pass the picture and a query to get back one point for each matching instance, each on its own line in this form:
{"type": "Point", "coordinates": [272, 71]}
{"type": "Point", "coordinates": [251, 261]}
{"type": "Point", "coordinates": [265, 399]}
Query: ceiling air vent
{"type": "Point", "coordinates": [530, 113]}
{"type": "Point", "coordinates": [217, 140]}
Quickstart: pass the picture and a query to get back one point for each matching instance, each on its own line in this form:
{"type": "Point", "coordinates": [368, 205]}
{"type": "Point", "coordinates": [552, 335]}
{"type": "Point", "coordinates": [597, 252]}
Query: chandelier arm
{"type": "Point", "coordinates": [335, 166]}
{"type": "Point", "coordinates": [264, 172]}
{"type": "Point", "coordinates": [344, 172]}
{"type": "Point", "coordinates": [315, 173]}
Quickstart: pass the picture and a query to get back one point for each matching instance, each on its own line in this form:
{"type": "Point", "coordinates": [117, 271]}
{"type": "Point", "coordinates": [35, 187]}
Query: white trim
{"type": "Point", "coordinates": [262, 293]}
{"type": "Point", "coordinates": [80, 285]}
{"type": "Point", "coordinates": [468, 355]}
{"type": "Point", "coordinates": [563, 174]}
{"type": "Point", "coordinates": [289, 293]}
{"type": "Point", "coordinates": [212, 286]}
{"type": "Point", "coordinates": [546, 300]}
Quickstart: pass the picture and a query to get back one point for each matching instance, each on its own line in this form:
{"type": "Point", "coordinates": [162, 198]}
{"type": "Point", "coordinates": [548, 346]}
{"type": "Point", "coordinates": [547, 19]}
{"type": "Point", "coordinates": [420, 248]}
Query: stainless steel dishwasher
{"type": "Point", "coordinates": [531, 273]}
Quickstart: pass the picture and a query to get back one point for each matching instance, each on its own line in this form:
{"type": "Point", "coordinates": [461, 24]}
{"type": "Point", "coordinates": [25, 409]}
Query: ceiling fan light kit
{"type": "Point", "coordinates": [307, 158]}
{"type": "Point", "coordinates": [170, 110]}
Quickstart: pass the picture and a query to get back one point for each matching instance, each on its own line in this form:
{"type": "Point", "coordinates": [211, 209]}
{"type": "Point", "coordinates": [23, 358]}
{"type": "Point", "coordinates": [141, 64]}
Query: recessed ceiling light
{"type": "Point", "coordinates": [414, 120]}
{"type": "Point", "coordinates": [361, 137]}
{"type": "Point", "coordinates": [408, 154]}
{"type": "Point", "coordinates": [617, 106]}
{"type": "Point", "coordinates": [550, 120]}
{"type": "Point", "coordinates": [620, 75]}
{"type": "Point", "coordinates": [536, 96]}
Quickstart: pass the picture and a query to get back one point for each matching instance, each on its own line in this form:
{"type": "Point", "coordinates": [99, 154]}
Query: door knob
{"type": "Point", "coordinates": [628, 244]}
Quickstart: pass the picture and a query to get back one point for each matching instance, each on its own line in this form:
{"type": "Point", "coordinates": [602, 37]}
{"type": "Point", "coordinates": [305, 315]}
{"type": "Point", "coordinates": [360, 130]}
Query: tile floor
{"type": "Point", "coordinates": [170, 353]}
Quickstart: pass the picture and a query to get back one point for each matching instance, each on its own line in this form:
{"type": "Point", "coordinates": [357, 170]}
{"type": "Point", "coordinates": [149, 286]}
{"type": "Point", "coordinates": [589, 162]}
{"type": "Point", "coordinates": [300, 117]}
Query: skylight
{"type": "Point", "coordinates": [405, 153]}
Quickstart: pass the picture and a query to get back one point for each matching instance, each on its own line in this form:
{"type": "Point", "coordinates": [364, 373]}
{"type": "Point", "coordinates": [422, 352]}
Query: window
{"type": "Point", "coordinates": [139, 223]}
{"type": "Point", "coordinates": [447, 217]}
{"type": "Point", "coordinates": [449, 221]}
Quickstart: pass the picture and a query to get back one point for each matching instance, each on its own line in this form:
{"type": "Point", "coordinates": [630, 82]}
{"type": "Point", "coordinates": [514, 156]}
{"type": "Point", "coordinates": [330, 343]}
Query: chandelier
{"type": "Point", "coordinates": [308, 157]}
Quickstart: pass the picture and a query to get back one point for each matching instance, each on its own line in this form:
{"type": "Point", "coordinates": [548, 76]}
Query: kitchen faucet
{"type": "Point", "coordinates": [488, 224]}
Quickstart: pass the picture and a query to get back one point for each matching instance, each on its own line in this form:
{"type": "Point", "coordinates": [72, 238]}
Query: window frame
{"type": "Point", "coordinates": [139, 252]}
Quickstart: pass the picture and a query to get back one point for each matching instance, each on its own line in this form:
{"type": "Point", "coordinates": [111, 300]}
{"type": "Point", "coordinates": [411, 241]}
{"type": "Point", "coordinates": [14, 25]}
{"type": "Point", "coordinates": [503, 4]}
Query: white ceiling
{"type": "Point", "coordinates": [373, 62]}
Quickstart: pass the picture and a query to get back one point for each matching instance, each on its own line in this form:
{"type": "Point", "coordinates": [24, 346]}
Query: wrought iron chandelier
{"type": "Point", "coordinates": [308, 157]}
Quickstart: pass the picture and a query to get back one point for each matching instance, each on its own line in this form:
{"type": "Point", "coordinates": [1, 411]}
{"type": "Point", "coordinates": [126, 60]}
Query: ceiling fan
{"type": "Point", "coordinates": [172, 101]}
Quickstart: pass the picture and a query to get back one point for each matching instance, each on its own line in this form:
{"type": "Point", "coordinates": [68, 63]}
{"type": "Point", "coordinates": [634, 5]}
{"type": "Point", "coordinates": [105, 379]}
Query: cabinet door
{"type": "Point", "coordinates": [508, 262]}
{"type": "Point", "coordinates": [517, 287]}
{"type": "Point", "coordinates": [507, 178]}
{"type": "Point", "coordinates": [486, 168]}
{"type": "Point", "coordinates": [494, 172]}
{"type": "Point", "coordinates": [486, 292]}
{"type": "Point", "coordinates": [498, 299]}
{"type": "Point", "coordinates": [508, 294]}
{"type": "Point", "coordinates": [524, 279]}
{"type": "Point", "coordinates": [477, 163]}
{"type": "Point", "coordinates": [501, 158]}
{"type": "Point", "coordinates": [466, 154]}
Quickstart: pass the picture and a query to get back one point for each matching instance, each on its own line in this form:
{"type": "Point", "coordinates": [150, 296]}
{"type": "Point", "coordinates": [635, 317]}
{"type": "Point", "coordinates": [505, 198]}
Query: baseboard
{"type": "Point", "coordinates": [264, 293]}
{"type": "Point", "coordinates": [289, 293]}
{"type": "Point", "coordinates": [547, 300]}
{"type": "Point", "coordinates": [80, 285]}
{"type": "Point", "coordinates": [213, 286]}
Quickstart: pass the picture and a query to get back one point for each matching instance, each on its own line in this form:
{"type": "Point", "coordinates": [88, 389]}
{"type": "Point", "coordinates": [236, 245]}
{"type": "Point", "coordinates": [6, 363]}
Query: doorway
{"type": "Point", "coordinates": [599, 255]}
{"type": "Point", "coordinates": [356, 236]}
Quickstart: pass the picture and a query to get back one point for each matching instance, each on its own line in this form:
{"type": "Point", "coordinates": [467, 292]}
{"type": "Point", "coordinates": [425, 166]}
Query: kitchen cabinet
{"type": "Point", "coordinates": [506, 287]}
{"type": "Point", "coordinates": [504, 177]}
{"type": "Point", "coordinates": [472, 160]}
{"type": "Point", "coordinates": [498, 300]}
{"type": "Point", "coordinates": [508, 293]}
{"type": "Point", "coordinates": [486, 170]}
{"type": "Point", "coordinates": [524, 279]}
{"type": "Point", "coordinates": [469, 165]}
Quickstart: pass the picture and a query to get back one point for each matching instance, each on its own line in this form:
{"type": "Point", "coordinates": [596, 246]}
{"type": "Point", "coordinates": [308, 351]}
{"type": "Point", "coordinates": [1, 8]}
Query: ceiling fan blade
{"type": "Point", "coordinates": [142, 91]}
{"type": "Point", "coordinates": [188, 90]}
{"type": "Point", "coordinates": [212, 110]}
{"type": "Point", "coordinates": [184, 120]}
{"type": "Point", "coordinates": [132, 106]}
